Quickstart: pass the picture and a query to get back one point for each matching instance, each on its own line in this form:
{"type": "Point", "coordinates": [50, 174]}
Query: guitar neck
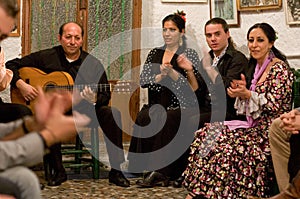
{"type": "Point", "coordinates": [120, 87]}
{"type": "Point", "coordinates": [62, 80]}
{"type": "Point", "coordinates": [94, 87]}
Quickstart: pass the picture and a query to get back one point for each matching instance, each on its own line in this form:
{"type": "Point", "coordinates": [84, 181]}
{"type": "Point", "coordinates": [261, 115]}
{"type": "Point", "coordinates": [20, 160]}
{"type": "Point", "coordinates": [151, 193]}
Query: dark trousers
{"type": "Point", "coordinates": [110, 122]}
{"type": "Point", "coordinates": [294, 160]}
{"type": "Point", "coordinates": [161, 142]}
{"type": "Point", "coordinates": [11, 111]}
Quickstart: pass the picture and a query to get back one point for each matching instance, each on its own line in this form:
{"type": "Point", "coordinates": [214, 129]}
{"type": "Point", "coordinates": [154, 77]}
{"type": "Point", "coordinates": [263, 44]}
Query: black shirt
{"type": "Point", "coordinates": [87, 69]}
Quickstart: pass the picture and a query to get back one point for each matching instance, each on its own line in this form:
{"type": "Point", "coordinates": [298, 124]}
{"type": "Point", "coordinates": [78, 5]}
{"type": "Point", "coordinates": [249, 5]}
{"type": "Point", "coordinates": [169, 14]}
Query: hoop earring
{"type": "Point", "coordinates": [180, 41]}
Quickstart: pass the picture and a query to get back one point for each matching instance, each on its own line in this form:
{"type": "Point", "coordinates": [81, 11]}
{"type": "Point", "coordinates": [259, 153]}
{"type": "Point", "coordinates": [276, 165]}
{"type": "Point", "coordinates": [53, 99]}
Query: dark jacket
{"type": "Point", "coordinates": [230, 67]}
{"type": "Point", "coordinates": [85, 70]}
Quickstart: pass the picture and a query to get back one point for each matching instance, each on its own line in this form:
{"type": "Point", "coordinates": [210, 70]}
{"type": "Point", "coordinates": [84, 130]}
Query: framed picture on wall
{"type": "Point", "coordinates": [244, 5]}
{"type": "Point", "coordinates": [292, 12]}
{"type": "Point", "coordinates": [16, 31]}
{"type": "Point", "coordinates": [184, 1]}
{"type": "Point", "coordinates": [226, 9]}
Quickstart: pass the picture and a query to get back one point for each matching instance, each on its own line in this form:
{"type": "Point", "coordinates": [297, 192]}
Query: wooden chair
{"type": "Point", "coordinates": [83, 153]}
{"type": "Point", "coordinates": [79, 154]}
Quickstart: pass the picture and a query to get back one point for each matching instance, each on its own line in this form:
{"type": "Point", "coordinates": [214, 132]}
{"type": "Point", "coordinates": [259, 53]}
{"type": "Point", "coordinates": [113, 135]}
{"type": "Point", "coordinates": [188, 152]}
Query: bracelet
{"type": "Point", "coordinates": [25, 129]}
{"type": "Point", "coordinates": [189, 71]}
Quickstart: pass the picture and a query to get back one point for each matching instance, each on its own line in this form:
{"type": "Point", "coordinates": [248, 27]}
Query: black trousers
{"type": "Point", "coordinates": [294, 160]}
{"type": "Point", "coordinates": [11, 111]}
{"type": "Point", "coordinates": [110, 122]}
{"type": "Point", "coordinates": [167, 138]}
{"type": "Point", "coordinates": [109, 119]}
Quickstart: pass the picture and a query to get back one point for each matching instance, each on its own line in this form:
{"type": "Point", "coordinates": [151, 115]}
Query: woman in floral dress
{"type": "Point", "coordinates": [232, 159]}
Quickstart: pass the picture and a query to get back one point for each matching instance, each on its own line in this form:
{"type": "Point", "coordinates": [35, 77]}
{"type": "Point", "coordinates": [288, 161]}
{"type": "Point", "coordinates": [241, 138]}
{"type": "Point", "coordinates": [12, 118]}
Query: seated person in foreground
{"type": "Point", "coordinates": [285, 151]}
{"type": "Point", "coordinates": [23, 143]}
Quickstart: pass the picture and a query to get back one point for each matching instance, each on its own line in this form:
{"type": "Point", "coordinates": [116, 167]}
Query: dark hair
{"type": "Point", "coordinates": [218, 20]}
{"type": "Point", "coordinates": [61, 29]}
{"type": "Point", "coordinates": [180, 23]}
{"type": "Point", "coordinates": [271, 35]}
{"type": "Point", "coordinates": [10, 7]}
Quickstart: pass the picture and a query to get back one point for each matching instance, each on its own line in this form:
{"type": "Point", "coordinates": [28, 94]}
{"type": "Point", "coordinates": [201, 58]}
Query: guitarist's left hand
{"type": "Point", "coordinates": [88, 95]}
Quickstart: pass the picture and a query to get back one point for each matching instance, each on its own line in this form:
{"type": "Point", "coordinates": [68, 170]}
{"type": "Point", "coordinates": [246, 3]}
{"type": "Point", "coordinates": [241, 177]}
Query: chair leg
{"type": "Point", "coordinates": [78, 146]}
{"type": "Point", "coordinates": [95, 152]}
{"type": "Point", "coordinates": [93, 148]}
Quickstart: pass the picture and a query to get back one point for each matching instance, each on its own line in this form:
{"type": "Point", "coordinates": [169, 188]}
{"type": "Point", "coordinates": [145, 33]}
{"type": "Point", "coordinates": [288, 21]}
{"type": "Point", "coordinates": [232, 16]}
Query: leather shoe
{"type": "Point", "coordinates": [153, 179]}
{"type": "Point", "coordinates": [42, 186]}
{"type": "Point", "coordinates": [145, 175]}
{"type": "Point", "coordinates": [116, 177]}
{"type": "Point", "coordinates": [57, 179]}
{"type": "Point", "coordinates": [178, 182]}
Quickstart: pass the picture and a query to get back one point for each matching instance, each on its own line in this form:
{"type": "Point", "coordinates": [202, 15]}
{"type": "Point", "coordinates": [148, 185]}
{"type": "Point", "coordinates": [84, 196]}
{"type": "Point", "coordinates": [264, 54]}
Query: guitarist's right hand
{"type": "Point", "coordinates": [28, 92]}
{"type": "Point", "coordinates": [51, 117]}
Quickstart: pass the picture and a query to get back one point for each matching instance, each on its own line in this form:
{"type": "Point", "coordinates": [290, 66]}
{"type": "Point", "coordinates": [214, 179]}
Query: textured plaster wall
{"type": "Point", "coordinates": [198, 13]}
{"type": "Point", "coordinates": [154, 11]}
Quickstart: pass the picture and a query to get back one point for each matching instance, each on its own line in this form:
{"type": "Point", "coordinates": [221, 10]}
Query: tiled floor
{"type": "Point", "coordinates": [89, 188]}
{"type": "Point", "coordinates": [74, 189]}
{"type": "Point", "coordinates": [84, 187]}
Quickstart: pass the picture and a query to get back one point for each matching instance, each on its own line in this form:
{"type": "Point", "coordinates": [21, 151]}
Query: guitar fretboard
{"type": "Point", "coordinates": [120, 87]}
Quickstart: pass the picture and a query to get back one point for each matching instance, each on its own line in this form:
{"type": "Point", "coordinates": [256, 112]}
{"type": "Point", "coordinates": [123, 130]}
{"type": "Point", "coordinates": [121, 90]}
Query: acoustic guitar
{"type": "Point", "coordinates": [60, 80]}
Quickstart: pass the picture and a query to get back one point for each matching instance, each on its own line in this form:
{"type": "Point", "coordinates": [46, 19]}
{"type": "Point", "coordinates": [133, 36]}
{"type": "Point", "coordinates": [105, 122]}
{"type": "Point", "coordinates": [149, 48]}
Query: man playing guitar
{"type": "Point", "coordinates": [70, 58]}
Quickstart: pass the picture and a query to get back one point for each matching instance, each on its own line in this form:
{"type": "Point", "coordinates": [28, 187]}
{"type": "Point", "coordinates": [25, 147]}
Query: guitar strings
{"type": "Point", "coordinates": [94, 87]}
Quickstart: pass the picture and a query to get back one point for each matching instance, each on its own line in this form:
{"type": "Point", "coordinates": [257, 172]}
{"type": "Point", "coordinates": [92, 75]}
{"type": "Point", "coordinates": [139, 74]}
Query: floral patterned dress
{"type": "Point", "coordinates": [236, 163]}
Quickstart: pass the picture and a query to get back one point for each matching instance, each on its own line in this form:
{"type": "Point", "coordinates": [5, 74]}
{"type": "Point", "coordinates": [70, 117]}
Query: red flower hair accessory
{"type": "Point", "coordinates": [181, 14]}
